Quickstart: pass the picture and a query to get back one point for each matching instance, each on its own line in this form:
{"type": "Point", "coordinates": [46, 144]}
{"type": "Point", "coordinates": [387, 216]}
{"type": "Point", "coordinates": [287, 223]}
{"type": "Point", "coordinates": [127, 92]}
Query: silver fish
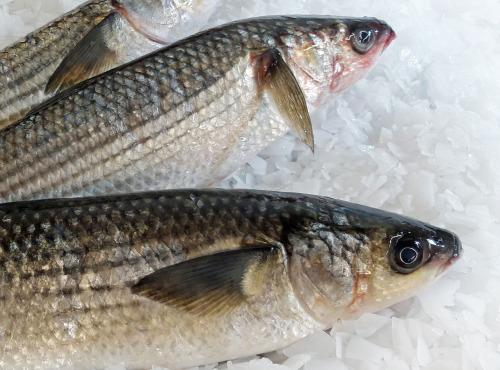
{"type": "Point", "coordinates": [189, 277]}
{"type": "Point", "coordinates": [89, 40]}
{"type": "Point", "coordinates": [190, 114]}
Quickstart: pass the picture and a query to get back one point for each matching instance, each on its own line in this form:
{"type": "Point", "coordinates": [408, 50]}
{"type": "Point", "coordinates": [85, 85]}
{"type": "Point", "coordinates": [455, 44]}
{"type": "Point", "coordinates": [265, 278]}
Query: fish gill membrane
{"type": "Point", "coordinates": [190, 114]}
{"type": "Point", "coordinates": [88, 40]}
{"type": "Point", "coordinates": [181, 278]}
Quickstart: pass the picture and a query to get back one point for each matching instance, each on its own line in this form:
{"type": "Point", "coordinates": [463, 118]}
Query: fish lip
{"type": "Point", "coordinates": [457, 249]}
{"type": "Point", "coordinates": [451, 256]}
{"type": "Point", "coordinates": [392, 35]}
{"type": "Point", "coordinates": [447, 251]}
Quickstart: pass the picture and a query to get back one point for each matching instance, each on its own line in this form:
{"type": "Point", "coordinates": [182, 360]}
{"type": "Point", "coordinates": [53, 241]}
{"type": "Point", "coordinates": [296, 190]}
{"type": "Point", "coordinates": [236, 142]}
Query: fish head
{"type": "Point", "coordinates": [335, 53]}
{"type": "Point", "coordinates": [166, 21]}
{"type": "Point", "coordinates": [365, 260]}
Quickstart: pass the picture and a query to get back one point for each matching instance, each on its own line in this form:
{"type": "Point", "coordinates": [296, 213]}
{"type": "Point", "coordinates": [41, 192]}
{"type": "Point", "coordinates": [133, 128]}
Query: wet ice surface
{"type": "Point", "coordinates": [419, 136]}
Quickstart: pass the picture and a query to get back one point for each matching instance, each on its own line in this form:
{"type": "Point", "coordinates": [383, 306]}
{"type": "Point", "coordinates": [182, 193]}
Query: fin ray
{"type": "Point", "coordinates": [212, 284]}
{"type": "Point", "coordinates": [89, 58]}
{"type": "Point", "coordinates": [275, 77]}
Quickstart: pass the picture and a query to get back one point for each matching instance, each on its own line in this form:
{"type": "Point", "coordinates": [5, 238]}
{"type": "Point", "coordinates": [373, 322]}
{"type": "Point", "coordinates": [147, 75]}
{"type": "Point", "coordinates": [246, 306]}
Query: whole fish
{"type": "Point", "coordinates": [190, 114]}
{"type": "Point", "coordinates": [89, 40]}
{"type": "Point", "coordinates": [188, 277]}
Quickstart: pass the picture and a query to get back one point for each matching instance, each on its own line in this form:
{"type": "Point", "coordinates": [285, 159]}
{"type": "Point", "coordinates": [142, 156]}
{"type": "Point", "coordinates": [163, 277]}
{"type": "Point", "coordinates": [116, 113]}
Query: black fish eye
{"type": "Point", "coordinates": [406, 254]}
{"type": "Point", "coordinates": [363, 39]}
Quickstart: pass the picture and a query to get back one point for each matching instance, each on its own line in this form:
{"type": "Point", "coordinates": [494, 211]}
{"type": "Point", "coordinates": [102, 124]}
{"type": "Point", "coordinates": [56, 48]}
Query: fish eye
{"type": "Point", "coordinates": [406, 254]}
{"type": "Point", "coordinates": [363, 39]}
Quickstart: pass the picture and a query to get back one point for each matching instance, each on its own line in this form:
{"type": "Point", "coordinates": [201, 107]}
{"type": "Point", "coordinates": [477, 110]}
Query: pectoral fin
{"type": "Point", "coordinates": [213, 284]}
{"type": "Point", "coordinates": [90, 57]}
{"type": "Point", "coordinates": [275, 77]}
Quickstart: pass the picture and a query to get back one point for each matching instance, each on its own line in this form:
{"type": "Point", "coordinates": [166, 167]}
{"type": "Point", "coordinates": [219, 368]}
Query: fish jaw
{"type": "Point", "coordinates": [327, 62]}
{"type": "Point", "coordinates": [353, 66]}
{"type": "Point", "coordinates": [384, 286]}
{"type": "Point", "coordinates": [357, 267]}
{"type": "Point", "coordinates": [166, 21]}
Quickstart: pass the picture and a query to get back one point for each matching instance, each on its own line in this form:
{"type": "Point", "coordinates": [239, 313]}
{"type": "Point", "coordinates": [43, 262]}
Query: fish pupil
{"type": "Point", "coordinates": [364, 37]}
{"type": "Point", "coordinates": [408, 255]}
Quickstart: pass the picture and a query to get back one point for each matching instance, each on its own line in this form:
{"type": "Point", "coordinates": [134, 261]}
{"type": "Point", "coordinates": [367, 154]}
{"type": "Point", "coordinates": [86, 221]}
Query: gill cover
{"type": "Point", "coordinates": [166, 21]}
{"type": "Point", "coordinates": [370, 261]}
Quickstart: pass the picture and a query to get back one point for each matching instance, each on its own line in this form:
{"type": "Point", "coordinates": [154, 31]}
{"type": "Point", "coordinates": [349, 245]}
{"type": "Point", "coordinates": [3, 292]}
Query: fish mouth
{"type": "Point", "coordinates": [457, 249]}
{"type": "Point", "coordinates": [449, 250]}
{"type": "Point", "coordinates": [390, 38]}
{"type": "Point", "coordinates": [452, 255]}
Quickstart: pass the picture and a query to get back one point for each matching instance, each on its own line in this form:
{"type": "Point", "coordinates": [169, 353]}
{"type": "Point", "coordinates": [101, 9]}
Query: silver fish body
{"type": "Point", "coordinates": [188, 277]}
{"type": "Point", "coordinates": [190, 114]}
{"type": "Point", "coordinates": [91, 39]}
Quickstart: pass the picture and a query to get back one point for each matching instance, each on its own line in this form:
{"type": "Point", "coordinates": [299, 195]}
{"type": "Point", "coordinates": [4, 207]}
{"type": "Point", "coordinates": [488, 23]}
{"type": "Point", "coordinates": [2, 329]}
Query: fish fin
{"type": "Point", "coordinates": [276, 78]}
{"type": "Point", "coordinates": [212, 284]}
{"type": "Point", "coordinates": [89, 58]}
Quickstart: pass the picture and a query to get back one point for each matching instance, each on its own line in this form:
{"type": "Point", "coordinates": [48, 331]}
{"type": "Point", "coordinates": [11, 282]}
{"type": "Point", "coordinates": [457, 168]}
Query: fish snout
{"type": "Point", "coordinates": [457, 248]}
{"type": "Point", "coordinates": [391, 36]}
{"type": "Point", "coordinates": [385, 34]}
{"type": "Point", "coordinates": [449, 248]}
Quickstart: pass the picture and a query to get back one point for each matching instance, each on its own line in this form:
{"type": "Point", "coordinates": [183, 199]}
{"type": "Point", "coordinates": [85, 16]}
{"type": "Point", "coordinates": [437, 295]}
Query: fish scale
{"type": "Point", "coordinates": [114, 108]}
{"type": "Point", "coordinates": [77, 239]}
{"type": "Point", "coordinates": [188, 277]}
{"type": "Point", "coordinates": [187, 115]}
{"type": "Point", "coordinates": [34, 59]}
{"type": "Point", "coordinates": [91, 39]}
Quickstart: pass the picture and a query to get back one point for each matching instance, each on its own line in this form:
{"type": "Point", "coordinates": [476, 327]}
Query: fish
{"type": "Point", "coordinates": [91, 39]}
{"type": "Point", "coordinates": [190, 114]}
{"type": "Point", "coordinates": [181, 278]}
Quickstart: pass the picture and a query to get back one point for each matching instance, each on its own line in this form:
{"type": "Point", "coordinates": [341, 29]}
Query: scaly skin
{"type": "Point", "coordinates": [67, 268]}
{"type": "Point", "coordinates": [27, 65]}
{"type": "Point", "coordinates": [187, 115]}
